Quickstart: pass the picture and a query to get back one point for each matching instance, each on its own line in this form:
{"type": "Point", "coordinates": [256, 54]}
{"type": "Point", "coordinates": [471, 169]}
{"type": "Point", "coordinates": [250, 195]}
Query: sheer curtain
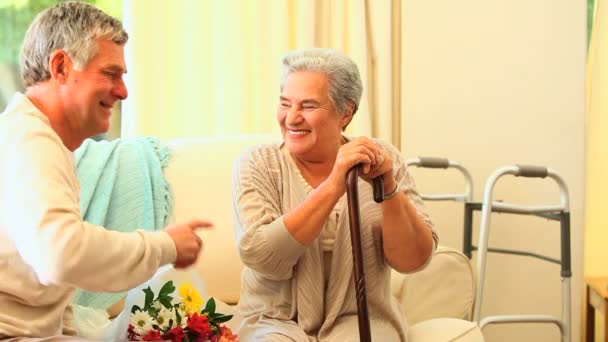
{"type": "Point", "coordinates": [596, 167]}
{"type": "Point", "coordinates": [212, 68]}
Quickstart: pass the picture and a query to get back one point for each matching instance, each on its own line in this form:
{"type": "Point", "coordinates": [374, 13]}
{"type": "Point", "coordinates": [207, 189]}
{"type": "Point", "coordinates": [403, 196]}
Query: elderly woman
{"type": "Point", "coordinates": [292, 221]}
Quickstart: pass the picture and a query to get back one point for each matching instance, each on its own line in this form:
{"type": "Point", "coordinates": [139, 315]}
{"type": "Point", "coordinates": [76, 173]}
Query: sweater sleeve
{"type": "Point", "coordinates": [264, 243]}
{"type": "Point", "coordinates": [41, 215]}
{"type": "Point", "coordinates": [408, 186]}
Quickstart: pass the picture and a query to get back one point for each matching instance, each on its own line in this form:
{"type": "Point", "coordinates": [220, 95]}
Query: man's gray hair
{"type": "Point", "coordinates": [71, 26]}
{"type": "Point", "coordinates": [343, 75]}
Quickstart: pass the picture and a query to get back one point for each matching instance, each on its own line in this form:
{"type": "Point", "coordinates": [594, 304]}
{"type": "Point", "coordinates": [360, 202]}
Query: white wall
{"type": "Point", "coordinates": [491, 83]}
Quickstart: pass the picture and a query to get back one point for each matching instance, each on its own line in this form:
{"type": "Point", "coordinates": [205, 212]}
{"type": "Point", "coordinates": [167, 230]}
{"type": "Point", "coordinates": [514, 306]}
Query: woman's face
{"type": "Point", "coordinates": [311, 127]}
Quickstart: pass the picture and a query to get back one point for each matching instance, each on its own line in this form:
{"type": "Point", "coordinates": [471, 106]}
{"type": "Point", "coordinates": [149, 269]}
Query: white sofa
{"type": "Point", "coordinates": [437, 301]}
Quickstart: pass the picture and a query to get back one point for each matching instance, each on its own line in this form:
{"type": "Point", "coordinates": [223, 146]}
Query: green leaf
{"type": "Point", "coordinates": [223, 318]}
{"type": "Point", "coordinates": [166, 302]}
{"type": "Point", "coordinates": [135, 308]}
{"type": "Point", "coordinates": [149, 297]}
{"type": "Point", "coordinates": [210, 307]}
{"type": "Point", "coordinates": [178, 316]}
{"type": "Point", "coordinates": [167, 289]}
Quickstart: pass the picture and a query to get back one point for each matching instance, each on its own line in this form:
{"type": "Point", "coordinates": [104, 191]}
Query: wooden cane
{"type": "Point", "coordinates": [352, 193]}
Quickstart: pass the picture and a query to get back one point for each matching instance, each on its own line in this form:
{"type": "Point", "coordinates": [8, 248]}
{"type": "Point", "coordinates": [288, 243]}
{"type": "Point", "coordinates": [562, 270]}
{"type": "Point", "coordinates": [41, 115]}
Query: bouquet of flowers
{"type": "Point", "coordinates": [162, 320]}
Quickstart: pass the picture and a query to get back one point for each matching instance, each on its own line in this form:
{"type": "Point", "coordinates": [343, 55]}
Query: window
{"type": "Point", "coordinates": [590, 19]}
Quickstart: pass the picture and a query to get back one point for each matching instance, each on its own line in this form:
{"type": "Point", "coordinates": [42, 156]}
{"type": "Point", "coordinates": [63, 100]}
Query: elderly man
{"type": "Point", "coordinates": [72, 65]}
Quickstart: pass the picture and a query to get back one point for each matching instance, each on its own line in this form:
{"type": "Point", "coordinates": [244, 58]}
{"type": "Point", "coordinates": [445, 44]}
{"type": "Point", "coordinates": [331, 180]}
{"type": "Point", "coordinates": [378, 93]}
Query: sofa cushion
{"type": "Point", "coordinates": [200, 174]}
{"type": "Point", "coordinates": [445, 288]}
{"type": "Point", "coordinates": [445, 330]}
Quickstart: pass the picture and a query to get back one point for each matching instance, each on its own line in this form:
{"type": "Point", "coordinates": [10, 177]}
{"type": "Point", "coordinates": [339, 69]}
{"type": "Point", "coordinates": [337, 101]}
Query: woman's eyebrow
{"type": "Point", "coordinates": [311, 101]}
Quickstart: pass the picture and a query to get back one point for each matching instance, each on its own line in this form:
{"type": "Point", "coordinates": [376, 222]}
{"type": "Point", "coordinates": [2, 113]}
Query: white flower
{"type": "Point", "coordinates": [157, 305]}
{"type": "Point", "coordinates": [142, 322]}
{"type": "Point", "coordinates": [163, 317]}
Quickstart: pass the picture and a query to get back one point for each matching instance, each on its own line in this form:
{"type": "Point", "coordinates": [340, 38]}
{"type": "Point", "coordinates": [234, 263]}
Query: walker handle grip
{"type": "Point", "coordinates": [434, 163]}
{"type": "Point", "coordinates": [531, 171]}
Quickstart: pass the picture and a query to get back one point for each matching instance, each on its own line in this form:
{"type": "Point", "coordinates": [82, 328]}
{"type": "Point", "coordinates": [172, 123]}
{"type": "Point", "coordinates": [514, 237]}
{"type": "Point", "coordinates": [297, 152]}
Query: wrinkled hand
{"type": "Point", "coordinates": [376, 162]}
{"type": "Point", "coordinates": [187, 244]}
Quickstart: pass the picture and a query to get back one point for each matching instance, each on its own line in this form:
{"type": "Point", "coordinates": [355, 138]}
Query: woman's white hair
{"type": "Point", "coordinates": [71, 26]}
{"type": "Point", "coordinates": [343, 75]}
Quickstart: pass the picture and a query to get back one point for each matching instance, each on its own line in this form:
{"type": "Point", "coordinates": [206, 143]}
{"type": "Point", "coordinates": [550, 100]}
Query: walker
{"type": "Point", "coordinates": [557, 212]}
{"type": "Point", "coordinates": [466, 197]}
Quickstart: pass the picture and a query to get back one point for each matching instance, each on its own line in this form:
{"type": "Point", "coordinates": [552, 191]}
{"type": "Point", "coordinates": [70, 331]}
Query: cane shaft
{"type": "Point", "coordinates": [355, 236]}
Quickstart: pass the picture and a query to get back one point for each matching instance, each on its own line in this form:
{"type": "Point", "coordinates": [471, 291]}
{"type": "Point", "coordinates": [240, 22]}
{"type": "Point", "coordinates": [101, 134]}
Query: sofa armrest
{"type": "Point", "coordinates": [444, 289]}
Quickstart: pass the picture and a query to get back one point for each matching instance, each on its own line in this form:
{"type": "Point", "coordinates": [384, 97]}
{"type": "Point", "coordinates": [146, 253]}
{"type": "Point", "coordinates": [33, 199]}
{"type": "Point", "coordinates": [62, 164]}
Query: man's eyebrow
{"type": "Point", "coordinates": [116, 68]}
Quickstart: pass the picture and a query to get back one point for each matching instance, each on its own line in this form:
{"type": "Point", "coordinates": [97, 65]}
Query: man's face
{"type": "Point", "coordinates": [90, 94]}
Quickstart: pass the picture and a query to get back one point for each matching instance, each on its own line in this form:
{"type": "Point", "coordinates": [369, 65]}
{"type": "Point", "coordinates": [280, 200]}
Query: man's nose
{"type": "Point", "coordinates": [120, 90]}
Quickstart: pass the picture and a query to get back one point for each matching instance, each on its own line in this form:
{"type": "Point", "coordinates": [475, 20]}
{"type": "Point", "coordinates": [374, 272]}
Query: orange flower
{"type": "Point", "coordinates": [226, 334]}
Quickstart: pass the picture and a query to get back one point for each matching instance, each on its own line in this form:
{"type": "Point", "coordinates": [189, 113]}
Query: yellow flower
{"type": "Point", "coordinates": [190, 298]}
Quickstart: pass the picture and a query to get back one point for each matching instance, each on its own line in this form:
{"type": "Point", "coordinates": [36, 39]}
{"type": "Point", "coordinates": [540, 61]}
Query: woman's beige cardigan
{"type": "Point", "coordinates": [282, 292]}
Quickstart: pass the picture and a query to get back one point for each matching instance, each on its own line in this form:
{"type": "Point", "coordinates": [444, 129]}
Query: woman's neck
{"type": "Point", "coordinates": [316, 171]}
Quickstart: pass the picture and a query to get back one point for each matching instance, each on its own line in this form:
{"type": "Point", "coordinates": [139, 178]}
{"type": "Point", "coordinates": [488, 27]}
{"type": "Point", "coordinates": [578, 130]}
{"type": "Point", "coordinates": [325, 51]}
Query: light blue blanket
{"type": "Point", "coordinates": [122, 189]}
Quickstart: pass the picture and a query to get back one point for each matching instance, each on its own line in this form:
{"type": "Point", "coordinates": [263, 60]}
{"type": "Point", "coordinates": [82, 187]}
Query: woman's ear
{"type": "Point", "coordinates": [348, 116]}
{"type": "Point", "coordinates": [59, 65]}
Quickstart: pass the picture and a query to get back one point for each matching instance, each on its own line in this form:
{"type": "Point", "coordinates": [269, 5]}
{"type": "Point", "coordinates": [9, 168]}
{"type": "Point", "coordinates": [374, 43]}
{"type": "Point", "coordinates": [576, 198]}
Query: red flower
{"type": "Point", "coordinates": [176, 334]}
{"type": "Point", "coordinates": [131, 334]}
{"type": "Point", "coordinates": [200, 324]}
{"type": "Point", "coordinates": [153, 335]}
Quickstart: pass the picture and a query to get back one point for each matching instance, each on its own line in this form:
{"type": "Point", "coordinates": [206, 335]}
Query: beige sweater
{"type": "Point", "coordinates": [282, 287]}
{"type": "Point", "coordinates": [46, 250]}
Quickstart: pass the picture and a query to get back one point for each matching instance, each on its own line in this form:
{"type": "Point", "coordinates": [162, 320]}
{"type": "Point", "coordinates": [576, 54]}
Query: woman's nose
{"type": "Point", "coordinates": [293, 115]}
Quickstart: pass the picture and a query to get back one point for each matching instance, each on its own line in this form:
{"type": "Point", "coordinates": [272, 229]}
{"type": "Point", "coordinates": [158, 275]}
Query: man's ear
{"type": "Point", "coordinates": [60, 65]}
